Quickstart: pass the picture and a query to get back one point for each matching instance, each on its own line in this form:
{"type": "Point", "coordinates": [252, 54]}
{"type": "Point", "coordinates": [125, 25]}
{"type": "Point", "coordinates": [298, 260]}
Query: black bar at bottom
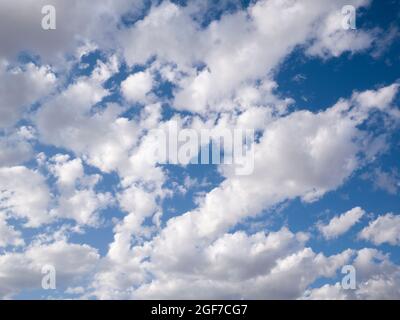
{"type": "Point", "coordinates": [199, 309]}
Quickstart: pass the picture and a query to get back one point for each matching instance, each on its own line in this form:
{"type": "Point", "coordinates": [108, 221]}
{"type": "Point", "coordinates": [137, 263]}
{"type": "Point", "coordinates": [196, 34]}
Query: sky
{"type": "Point", "coordinates": [83, 107]}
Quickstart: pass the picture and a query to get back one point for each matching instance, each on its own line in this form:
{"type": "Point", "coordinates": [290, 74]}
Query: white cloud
{"type": "Point", "coordinates": [136, 87]}
{"type": "Point", "coordinates": [77, 199]}
{"type": "Point", "coordinates": [8, 235]}
{"type": "Point", "coordinates": [21, 87]}
{"type": "Point", "coordinates": [380, 99]}
{"type": "Point", "coordinates": [70, 121]}
{"type": "Point", "coordinates": [77, 22]}
{"type": "Point", "coordinates": [377, 278]}
{"type": "Point", "coordinates": [166, 32]}
{"type": "Point", "coordinates": [66, 171]}
{"type": "Point", "coordinates": [341, 224]}
{"type": "Point", "coordinates": [326, 292]}
{"type": "Point", "coordinates": [83, 206]}
{"type": "Point", "coordinates": [224, 71]}
{"type": "Point", "coordinates": [22, 271]}
{"type": "Point", "coordinates": [290, 161]}
{"type": "Point", "coordinates": [234, 50]}
{"type": "Point", "coordinates": [259, 266]}
{"type": "Point", "coordinates": [24, 194]}
{"type": "Point", "coordinates": [385, 229]}
{"type": "Point", "coordinates": [15, 150]}
{"type": "Point", "coordinates": [332, 40]}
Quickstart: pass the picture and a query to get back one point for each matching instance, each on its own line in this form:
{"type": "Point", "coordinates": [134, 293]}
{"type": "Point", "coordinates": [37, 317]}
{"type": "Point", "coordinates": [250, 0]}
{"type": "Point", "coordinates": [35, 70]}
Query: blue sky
{"type": "Point", "coordinates": [80, 105]}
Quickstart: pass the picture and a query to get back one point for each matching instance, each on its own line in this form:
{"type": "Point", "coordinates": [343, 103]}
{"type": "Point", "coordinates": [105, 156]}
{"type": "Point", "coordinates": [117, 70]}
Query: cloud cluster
{"type": "Point", "coordinates": [341, 224]}
{"type": "Point", "coordinates": [75, 143]}
{"type": "Point", "coordinates": [385, 229]}
{"type": "Point", "coordinates": [21, 271]}
{"type": "Point", "coordinates": [377, 278]}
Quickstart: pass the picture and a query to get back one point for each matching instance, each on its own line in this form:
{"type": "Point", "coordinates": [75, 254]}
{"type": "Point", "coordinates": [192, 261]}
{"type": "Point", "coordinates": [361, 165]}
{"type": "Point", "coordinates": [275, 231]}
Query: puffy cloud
{"type": "Point", "coordinates": [341, 224]}
{"type": "Point", "coordinates": [24, 195]}
{"type": "Point", "coordinates": [380, 99]}
{"type": "Point", "coordinates": [326, 292]}
{"type": "Point", "coordinates": [8, 234]}
{"type": "Point", "coordinates": [77, 22]}
{"type": "Point", "coordinates": [237, 265]}
{"type": "Point", "coordinates": [136, 87]}
{"type": "Point", "coordinates": [66, 112]}
{"type": "Point", "coordinates": [260, 266]}
{"type": "Point", "coordinates": [15, 150]}
{"type": "Point", "coordinates": [77, 198]}
{"type": "Point", "coordinates": [377, 278]}
{"type": "Point", "coordinates": [222, 69]}
{"type": "Point", "coordinates": [21, 88]}
{"type": "Point", "coordinates": [166, 32]}
{"type": "Point", "coordinates": [66, 171]}
{"type": "Point", "coordinates": [235, 50]}
{"type": "Point", "coordinates": [23, 271]}
{"type": "Point", "coordinates": [99, 136]}
{"type": "Point", "coordinates": [139, 205]}
{"type": "Point", "coordinates": [138, 202]}
{"type": "Point", "coordinates": [82, 206]}
{"type": "Point", "coordinates": [384, 229]}
{"type": "Point", "coordinates": [290, 161]}
{"type": "Point", "coordinates": [331, 39]}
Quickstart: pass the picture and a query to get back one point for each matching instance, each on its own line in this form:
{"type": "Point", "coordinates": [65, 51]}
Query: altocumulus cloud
{"type": "Point", "coordinates": [82, 188]}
